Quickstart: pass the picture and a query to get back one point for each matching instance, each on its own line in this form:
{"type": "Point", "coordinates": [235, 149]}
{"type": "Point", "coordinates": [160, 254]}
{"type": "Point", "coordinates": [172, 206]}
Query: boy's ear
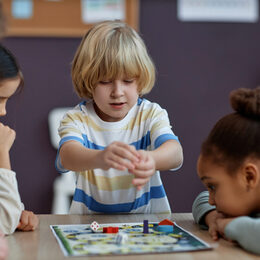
{"type": "Point", "coordinates": [251, 175]}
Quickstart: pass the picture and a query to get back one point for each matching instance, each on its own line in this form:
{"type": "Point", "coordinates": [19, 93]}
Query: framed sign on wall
{"type": "Point", "coordinates": [65, 18]}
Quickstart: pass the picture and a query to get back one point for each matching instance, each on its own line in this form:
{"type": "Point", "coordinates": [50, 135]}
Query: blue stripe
{"type": "Point", "coordinates": [83, 103]}
{"type": "Point", "coordinates": [163, 138]}
{"type": "Point", "coordinates": [155, 193]}
{"type": "Point", "coordinates": [58, 165]}
{"type": "Point", "coordinates": [139, 101]}
{"type": "Point", "coordinates": [143, 143]}
{"type": "Point", "coordinates": [92, 145]}
{"type": "Point", "coordinates": [70, 138]}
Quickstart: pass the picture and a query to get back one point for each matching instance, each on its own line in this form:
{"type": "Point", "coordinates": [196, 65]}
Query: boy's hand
{"type": "Point", "coordinates": [143, 170]}
{"type": "Point", "coordinates": [211, 220]}
{"type": "Point", "coordinates": [28, 221]}
{"type": "Point", "coordinates": [119, 156]}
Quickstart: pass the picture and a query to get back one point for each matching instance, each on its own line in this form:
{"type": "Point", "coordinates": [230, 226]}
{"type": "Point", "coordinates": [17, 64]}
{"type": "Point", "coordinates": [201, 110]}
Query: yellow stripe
{"type": "Point", "coordinates": [68, 131]}
{"type": "Point", "coordinates": [141, 117]}
{"type": "Point", "coordinates": [78, 116]}
{"type": "Point", "coordinates": [159, 125]}
{"type": "Point", "coordinates": [109, 184]}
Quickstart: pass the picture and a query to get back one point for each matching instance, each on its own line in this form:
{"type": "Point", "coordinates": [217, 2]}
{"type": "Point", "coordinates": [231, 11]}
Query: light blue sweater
{"type": "Point", "coordinates": [245, 230]}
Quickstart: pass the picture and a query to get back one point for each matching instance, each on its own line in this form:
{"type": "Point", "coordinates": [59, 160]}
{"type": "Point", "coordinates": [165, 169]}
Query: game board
{"type": "Point", "coordinates": [79, 240]}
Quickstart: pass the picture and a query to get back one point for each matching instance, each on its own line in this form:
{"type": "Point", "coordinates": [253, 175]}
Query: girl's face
{"type": "Point", "coordinates": [229, 193]}
{"type": "Point", "coordinates": [114, 99]}
{"type": "Point", "coordinates": [7, 88]}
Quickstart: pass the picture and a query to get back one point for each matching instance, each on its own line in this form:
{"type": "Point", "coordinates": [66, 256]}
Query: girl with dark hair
{"type": "Point", "coordinates": [229, 166]}
{"type": "Point", "coordinates": [13, 215]}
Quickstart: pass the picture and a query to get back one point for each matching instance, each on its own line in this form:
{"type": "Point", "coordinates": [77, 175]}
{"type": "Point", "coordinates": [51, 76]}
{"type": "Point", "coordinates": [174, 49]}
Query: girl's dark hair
{"type": "Point", "coordinates": [236, 136]}
{"type": "Point", "coordinates": [9, 67]}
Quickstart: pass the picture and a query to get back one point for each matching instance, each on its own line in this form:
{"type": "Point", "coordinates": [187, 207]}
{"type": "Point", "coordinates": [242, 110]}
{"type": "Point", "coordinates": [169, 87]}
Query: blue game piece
{"type": "Point", "coordinates": [164, 228]}
{"type": "Point", "coordinates": [145, 229]}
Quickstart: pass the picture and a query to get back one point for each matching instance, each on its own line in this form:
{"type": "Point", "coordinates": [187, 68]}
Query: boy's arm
{"type": "Point", "coordinates": [246, 231]}
{"type": "Point", "coordinates": [168, 156]}
{"type": "Point", "coordinates": [74, 156]}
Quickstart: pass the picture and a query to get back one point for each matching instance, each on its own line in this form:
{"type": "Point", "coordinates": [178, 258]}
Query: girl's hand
{"type": "Point", "coordinates": [28, 221]}
{"type": "Point", "coordinates": [119, 156]}
{"type": "Point", "coordinates": [221, 224]}
{"type": "Point", "coordinates": [3, 247]}
{"type": "Point", "coordinates": [211, 220]}
{"type": "Point", "coordinates": [143, 170]}
{"type": "Point", "coordinates": [7, 137]}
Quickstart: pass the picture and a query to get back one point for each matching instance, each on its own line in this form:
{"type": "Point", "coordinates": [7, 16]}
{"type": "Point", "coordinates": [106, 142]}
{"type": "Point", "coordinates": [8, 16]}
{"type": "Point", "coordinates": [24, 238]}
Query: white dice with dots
{"type": "Point", "coordinates": [94, 226]}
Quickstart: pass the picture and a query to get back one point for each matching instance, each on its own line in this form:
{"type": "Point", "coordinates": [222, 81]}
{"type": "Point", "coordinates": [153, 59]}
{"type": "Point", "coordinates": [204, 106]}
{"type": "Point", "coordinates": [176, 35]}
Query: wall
{"type": "Point", "coordinates": [198, 64]}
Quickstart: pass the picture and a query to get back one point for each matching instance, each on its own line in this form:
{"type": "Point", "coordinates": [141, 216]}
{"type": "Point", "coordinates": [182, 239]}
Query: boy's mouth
{"type": "Point", "coordinates": [117, 104]}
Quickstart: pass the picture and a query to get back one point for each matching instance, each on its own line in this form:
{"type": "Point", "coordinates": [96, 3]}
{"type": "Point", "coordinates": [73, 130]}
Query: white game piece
{"type": "Point", "coordinates": [94, 226]}
{"type": "Point", "coordinates": [121, 238]}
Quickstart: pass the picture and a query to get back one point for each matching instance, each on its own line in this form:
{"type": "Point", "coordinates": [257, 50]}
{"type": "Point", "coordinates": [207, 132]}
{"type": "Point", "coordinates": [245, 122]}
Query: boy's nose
{"type": "Point", "coordinates": [117, 89]}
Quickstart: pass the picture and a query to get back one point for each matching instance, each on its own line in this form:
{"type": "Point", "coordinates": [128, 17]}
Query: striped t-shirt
{"type": "Point", "coordinates": [146, 126]}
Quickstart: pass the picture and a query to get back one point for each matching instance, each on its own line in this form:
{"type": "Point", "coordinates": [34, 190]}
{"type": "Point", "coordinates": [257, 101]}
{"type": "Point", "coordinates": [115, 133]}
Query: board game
{"type": "Point", "coordinates": [79, 240]}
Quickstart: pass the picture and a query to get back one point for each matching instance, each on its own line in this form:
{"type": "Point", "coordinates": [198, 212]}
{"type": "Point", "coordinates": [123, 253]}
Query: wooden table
{"type": "Point", "coordinates": [42, 245]}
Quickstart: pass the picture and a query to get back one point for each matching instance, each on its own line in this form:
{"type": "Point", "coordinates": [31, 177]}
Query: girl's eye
{"type": "Point", "coordinates": [211, 187]}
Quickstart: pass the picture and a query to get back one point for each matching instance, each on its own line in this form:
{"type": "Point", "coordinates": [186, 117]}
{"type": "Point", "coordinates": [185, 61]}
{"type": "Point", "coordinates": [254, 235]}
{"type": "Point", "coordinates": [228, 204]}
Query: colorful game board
{"type": "Point", "coordinates": [79, 240]}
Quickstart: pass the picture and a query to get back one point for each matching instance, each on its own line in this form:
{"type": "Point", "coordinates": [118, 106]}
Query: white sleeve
{"type": "Point", "coordinates": [161, 130]}
{"type": "Point", "coordinates": [10, 203]}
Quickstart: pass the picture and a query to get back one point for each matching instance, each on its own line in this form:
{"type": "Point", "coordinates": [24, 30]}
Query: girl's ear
{"type": "Point", "coordinates": [251, 174]}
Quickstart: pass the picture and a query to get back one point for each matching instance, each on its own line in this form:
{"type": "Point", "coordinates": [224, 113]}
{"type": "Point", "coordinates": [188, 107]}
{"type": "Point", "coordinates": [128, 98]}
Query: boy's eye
{"type": "Point", "coordinates": [129, 80]}
{"type": "Point", "coordinates": [105, 82]}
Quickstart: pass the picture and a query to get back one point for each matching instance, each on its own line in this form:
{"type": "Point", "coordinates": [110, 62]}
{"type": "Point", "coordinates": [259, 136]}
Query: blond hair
{"type": "Point", "coordinates": [110, 50]}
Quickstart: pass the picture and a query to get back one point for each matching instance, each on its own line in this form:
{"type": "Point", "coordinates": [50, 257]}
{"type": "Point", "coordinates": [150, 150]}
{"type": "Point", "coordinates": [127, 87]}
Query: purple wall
{"type": "Point", "coordinates": [198, 64]}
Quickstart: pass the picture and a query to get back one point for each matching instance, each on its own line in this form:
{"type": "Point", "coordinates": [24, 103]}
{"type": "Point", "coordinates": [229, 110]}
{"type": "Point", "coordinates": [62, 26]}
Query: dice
{"type": "Point", "coordinates": [94, 226]}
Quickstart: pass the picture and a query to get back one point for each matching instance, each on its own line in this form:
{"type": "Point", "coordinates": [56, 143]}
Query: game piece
{"type": "Point", "coordinates": [110, 229]}
{"type": "Point", "coordinates": [145, 227]}
{"type": "Point", "coordinates": [121, 238]}
{"type": "Point", "coordinates": [94, 226]}
{"type": "Point", "coordinates": [166, 222]}
{"type": "Point", "coordinates": [164, 228]}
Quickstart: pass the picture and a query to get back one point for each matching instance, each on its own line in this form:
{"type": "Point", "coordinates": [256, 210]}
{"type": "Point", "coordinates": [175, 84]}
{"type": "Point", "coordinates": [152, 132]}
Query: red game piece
{"type": "Point", "coordinates": [110, 229]}
{"type": "Point", "coordinates": [166, 222]}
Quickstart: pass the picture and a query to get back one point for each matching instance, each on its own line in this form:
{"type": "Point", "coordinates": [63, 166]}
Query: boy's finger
{"type": "Point", "coordinates": [140, 181]}
{"type": "Point", "coordinates": [131, 150]}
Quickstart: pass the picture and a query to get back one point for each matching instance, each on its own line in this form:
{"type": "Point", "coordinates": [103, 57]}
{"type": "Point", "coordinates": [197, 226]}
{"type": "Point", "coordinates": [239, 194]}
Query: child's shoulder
{"type": "Point", "coordinates": [149, 105]}
{"type": "Point", "coordinates": [82, 107]}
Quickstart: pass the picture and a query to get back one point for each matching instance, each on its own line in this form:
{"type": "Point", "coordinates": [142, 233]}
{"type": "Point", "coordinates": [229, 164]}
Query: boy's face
{"type": "Point", "coordinates": [229, 193]}
{"type": "Point", "coordinates": [114, 99]}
